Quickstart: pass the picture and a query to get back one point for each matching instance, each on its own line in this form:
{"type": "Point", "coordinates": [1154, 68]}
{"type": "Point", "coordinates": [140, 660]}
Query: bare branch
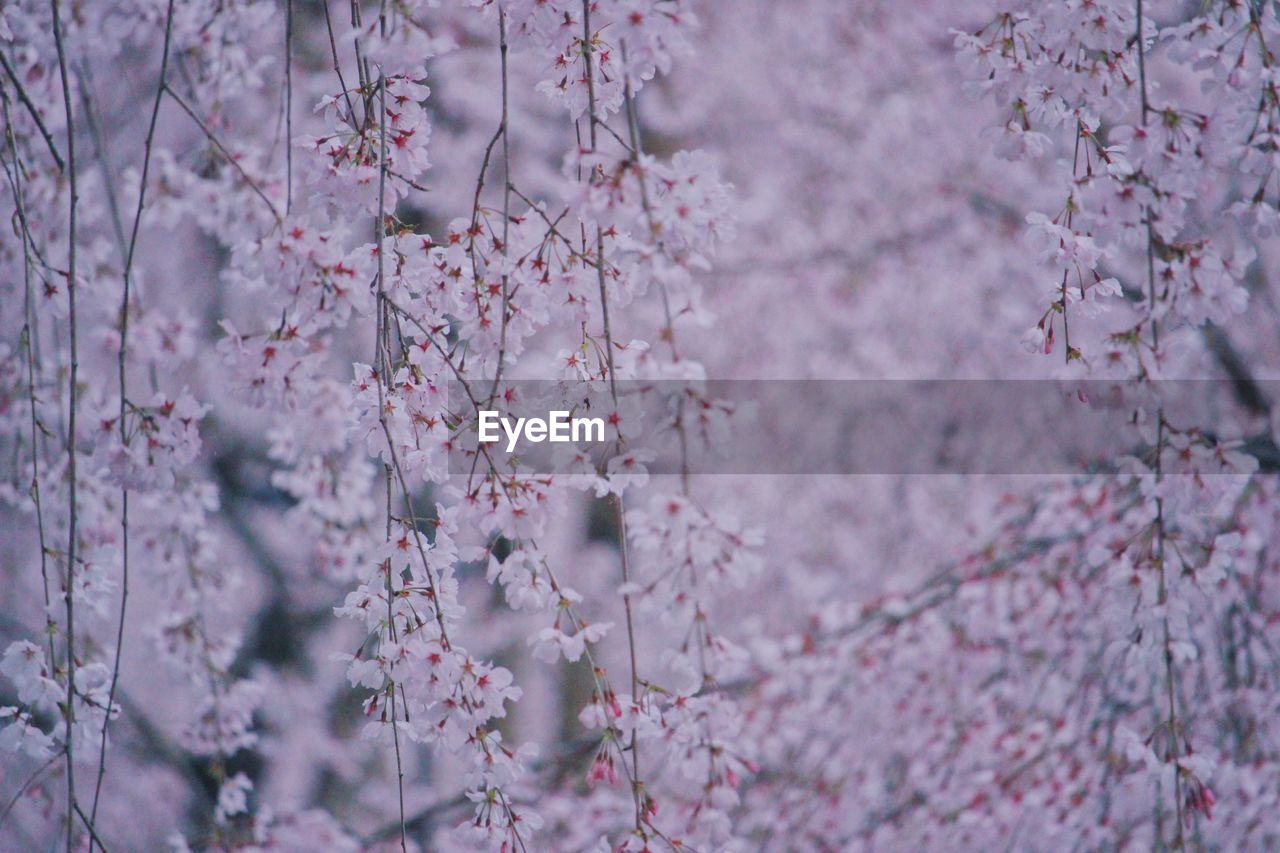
{"type": "Point", "coordinates": [34, 113]}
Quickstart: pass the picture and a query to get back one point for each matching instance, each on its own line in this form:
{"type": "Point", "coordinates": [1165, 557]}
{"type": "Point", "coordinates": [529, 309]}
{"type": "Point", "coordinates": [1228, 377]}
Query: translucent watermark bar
{"type": "Point", "coordinates": [809, 427]}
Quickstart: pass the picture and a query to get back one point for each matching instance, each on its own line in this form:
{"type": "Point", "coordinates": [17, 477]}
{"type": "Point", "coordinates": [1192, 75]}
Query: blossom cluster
{"type": "Point", "coordinates": [271, 260]}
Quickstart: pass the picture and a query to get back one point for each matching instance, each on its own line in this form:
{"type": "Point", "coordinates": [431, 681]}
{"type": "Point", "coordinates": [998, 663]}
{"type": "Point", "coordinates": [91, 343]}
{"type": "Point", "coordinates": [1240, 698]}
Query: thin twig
{"type": "Point", "coordinates": [28, 335]}
{"type": "Point", "coordinates": [288, 105]}
{"type": "Point", "coordinates": [337, 66]}
{"type": "Point", "coordinates": [71, 421]}
{"type": "Point", "coordinates": [121, 364]}
{"type": "Point", "coordinates": [380, 348]}
{"type": "Point", "coordinates": [227, 155]}
{"type": "Point", "coordinates": [1162, 594]}
{"type": "Point", "coordinates": [636, 150]}
{"type": "Point", "coordinates": [619, 509]}
{"type": "Point", "coordinates": [506, 203]}
{"type": "Point", "coordinates": [88, 825]}
{"type": "Point", "coordinates": [102, 154]}
{"type": "Point", "coordinates": [26, 786]}
{"type": "Point", "coordinates": [31, 109]}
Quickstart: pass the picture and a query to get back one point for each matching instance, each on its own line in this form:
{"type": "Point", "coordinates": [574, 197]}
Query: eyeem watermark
{"type": "Point", "coordinates": [556, 427]}
{"type": "Point", "coordinates": [855, 427]}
